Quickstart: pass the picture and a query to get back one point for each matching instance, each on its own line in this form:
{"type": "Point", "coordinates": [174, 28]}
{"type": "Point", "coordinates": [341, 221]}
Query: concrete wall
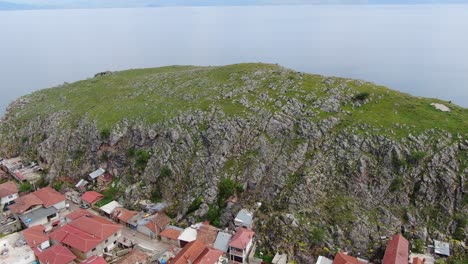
{"type": "Point", "coordinates": [145, 230]}
{"type": "Point", "coordinates": [103, 245]}
{"type": "Point", "coordinates": [60, 205]}
{"type": "Point", "coordinates": [170, 241]}
{"type": "Point", "coordinates": [9, 198]}
{"type": "Point", "coordinates": [11, 227]}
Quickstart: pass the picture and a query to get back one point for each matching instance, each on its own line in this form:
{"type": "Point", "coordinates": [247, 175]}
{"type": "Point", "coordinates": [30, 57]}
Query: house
{"type": "Point", "coordinates": [15, 250]}
{"type": "Point", "coordinates": [343, 258]}
{"type": "Point", "coordinates": [94, 260]}
{"type": "Point", "coordinates": [396, 251]}
{"type": "Point", "coordinates": [222, 241]}
{"type": "Point", "coordinates": [104, 180]}
{"type": "Point", "coordinates": [243, 219]}
{"type": "Point", "coordinates": [81, 185]}
{"type": "Point", "coordinates": [190, 253]}
{"type": "Point", "coordinates": [11, 165]}
{"type": "Point", "coordinates": [153, 225]}
{"type": "Point", "coordinates": [36, 237]}
{"type": "Point", "coordinates": [39, 207]}
{"type": "Point", "coordinates": [135, 256]}
{"type": "Point", "coordinates": [95, 174]}
{"type": "Point", "coordinates": [8, 193]}
{"type": "Point", "coordinates": [188, 235]}
{"type": "Point", "coordinates": [241, 244]}
{"type": "Point", "coordinates": [87, 235]}
{"type": "Point", "coordinates": [108, 208]}
{"type": "Point", "coordinates": [209, 256]}
{"type": "Point", "coordinates": [170, 235]}
{"type": "Point", "coordinates": [56, 254]}
{"type": "Point", "coordinates": [442, 248]}
{"type": "Point", "coordinates": [123, 216]}
{"type": "Point", "coordinates": [30, 174]}
{"type": "Point", "coordinates": [76, 214]}
{"type": "Point", "coordinates": [280, 259]}
{"type": "Point", "coordinates": [90, 198]}
{"type": "Point", "coordinates": [73, 196]}
{"type": "Point", "coordinates": [207, 234]}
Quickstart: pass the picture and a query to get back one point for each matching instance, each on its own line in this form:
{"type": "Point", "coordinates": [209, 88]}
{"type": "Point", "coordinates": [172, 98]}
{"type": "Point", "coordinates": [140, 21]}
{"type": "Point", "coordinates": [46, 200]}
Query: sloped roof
{"type": "Point", "coordinates": [97, 173]}
{"type": "Point", "coordinates": [35, 235]}
{"type": "Point", "coordinates": [222, 241]}
{"type": "Point", "coordinates": [241, 238]}
{"type": "Point", "coordinates": [160, 220]}
{"type": "Point", "coordinates": [8, 188]}
{"type": "Point", "coordinates": [190, 252]}
{"type": "Point", "coordinates": [85, 232]}
{"type": "Point", "coordinates": [245, 217]}
{"type": "Point", "coordinates": [171, 233]}
{"type": "Point", "coordinates": [77, 214]}
{"type": "Point", "coordinates": [441, 248]}
{"type": "Point", "coordinates": [110, 207]}
{"type": "Point", "coordinates": [24, 203]}
{"type": "Point", "coordinates": [135, 256]}
{"type": "Point", "coordinates": [207, 234]}
{"type": "Point", "coordinates": [342, 258]}
{"type": "Point", "coordinates": [57, 254]}
{"type": "Point", "coordinates": [91, 197]}
{"type": "Point", "coordinates": [49, 196]}
{"type": "Point", "coordinates": [209, 256]}
{"type": "Point", "coordinates": [396, 251]}
{"type": "Point", "coordinates": [189, 234]}
{"type": "Point", "coordinates": [94, 260]}
{"type": "Point", "coordinates": [123, 214]}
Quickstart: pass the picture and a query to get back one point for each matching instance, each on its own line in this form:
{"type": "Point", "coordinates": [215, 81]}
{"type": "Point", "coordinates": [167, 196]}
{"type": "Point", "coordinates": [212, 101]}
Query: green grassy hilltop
{"type": "Point", "coordinates": [154, 95]}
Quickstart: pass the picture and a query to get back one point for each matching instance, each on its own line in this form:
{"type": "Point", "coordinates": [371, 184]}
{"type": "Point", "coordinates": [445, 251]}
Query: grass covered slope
{"type": "Point", "coordinates": [154, 95]}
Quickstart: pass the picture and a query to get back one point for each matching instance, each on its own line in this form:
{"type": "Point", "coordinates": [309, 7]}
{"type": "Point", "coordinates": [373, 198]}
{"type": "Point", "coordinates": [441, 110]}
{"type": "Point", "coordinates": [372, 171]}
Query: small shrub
{"type": "Point", "coordinates": [415, 157]}
{"type": "Point", "coordinates": [317, 235]}
{"type": "Point", "coordinates": [213, 216]}
{"type": "Point", "coordinates": [194, 205]}
{"type": "Point", "coordinates": [418, 246]}
{"type": "Point", "coordinates": [156, 196]}
{"type": "Point", "coordinates": [226, 188]}
{"type": "Point", "coordinates": [361, 96]}
{"type": "Point", "coordinates": [396, 184]}
{"type": "Point", "coordinates": [42, 182]}
{"type": "Point", "coordinates": [142, 158]}
{"type": "Point", "coordinates": [166, 171]}
{"type": "Point", "coordinates": [25, 187]}
{"type": "Point", "coordinates": [58, 185]}
{"type": "Point", "coordinates": [105, 133]}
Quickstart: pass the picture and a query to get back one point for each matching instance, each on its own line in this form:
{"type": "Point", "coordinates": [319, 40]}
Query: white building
{"type": "Point", "coordinates": [14, 250]}
{"type": "Point", "coordinates": [240, 245]}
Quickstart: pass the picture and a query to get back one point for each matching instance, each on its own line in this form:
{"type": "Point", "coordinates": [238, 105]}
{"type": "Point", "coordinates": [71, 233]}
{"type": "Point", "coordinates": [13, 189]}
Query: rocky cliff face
{"type": "Point", "coordinates": [335, 163]}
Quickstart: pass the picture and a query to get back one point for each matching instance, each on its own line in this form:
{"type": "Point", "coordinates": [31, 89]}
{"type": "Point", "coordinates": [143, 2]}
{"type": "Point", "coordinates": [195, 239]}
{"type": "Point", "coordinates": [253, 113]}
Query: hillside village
{"type": "Point", "coordinates": [81, 225]}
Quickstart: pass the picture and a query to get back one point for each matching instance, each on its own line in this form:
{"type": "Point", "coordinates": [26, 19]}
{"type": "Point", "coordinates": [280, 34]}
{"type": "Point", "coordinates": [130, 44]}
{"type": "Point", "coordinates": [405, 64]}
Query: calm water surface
{"type": "Point", "coordinates": [422, 50]}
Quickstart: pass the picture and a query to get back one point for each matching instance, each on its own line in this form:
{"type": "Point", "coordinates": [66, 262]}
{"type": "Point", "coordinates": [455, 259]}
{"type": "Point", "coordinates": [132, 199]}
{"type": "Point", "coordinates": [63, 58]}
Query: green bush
{"type": "Point", "coordinates": [418, 246]}
{"type": "Point", "coordinates": [317, 235]}
{"type": "Point", "coordinates": [25, 187]}
{"type": "Point", "coordinates": [226, 188]}
{"type": "Point", "coordinates": [396, 184]}
{"type": "Point", "coordinates": [194, 205]}
{"type": "Point", "coordinates": [142, 157]}
{"type": "Point", "coordinates": [213, 216]}
{"type": "Point", "coordinates": [105, 133]}
{"type": "Point", "coordinates": [58, 185]}
{"type": "Point", "coordinates": [361, 96]}
{"type": "Point", "coordinates": [166, 171]}
{"type": "Point", "coordinates": [415, 156]}
{"type": "Point", "coordinates": [156, 196]}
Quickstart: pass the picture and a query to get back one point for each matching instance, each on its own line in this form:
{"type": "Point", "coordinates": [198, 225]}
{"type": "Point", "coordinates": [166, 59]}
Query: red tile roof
{"type": "Point", "coordinates": [94, 260]}
{"type": "Point", "coordinates": [207, 234]}
{"type": "Point", "coordinates": [397, 250]}
{"type": "Point", "coordinates": [85, 232]}
{"type": "Point", "coordinates": [123, 214]}
{"type": "Point", "coordinates": [158, 222]}
{"type": "Point", "coordinates": [171, 233]}
{"type": "Point", "coordinates": [342, 258]}
{"type": "Point", "coordinates": [8, 188]}
{"type": "Point", "coordinates": [417, 260]}
{"type": "Point", "coordinates": [209, 256]}
{"type": "Point", "coordinates": [35, 235]}
{"type": "Point", "coordinates": [49, 196]}
{"type": "Point", "coordinates": [190, 252]}
{"type": "Point", "coordinates": [77, 214]}
{"type": "Point", "coordinates": [57, 254]}
{"type": "Point", "coordinates": [241, 238]}
{"type": "Point", "coordinates": [91, 197]}
{"type": "Point", "coordinates": [135, 256]}
{"type": "Point", "coordinates": [24, 203]}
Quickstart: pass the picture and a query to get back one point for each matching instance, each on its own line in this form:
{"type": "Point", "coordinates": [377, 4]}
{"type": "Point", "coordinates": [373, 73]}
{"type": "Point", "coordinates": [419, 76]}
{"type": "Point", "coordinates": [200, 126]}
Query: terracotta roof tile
{"type": "Point", "coordinates": [35, 235]}
{"type": "Point", "coordinates": [241, 238]}
{"type": "Point", "coordinates": [396, 251]}
{"type": "Point", "coordinates": [190, 252]}
{"type": "Point", "coordinates": [24, 203]}
{"type": "Point", "coordinates": [123, 214]}
{"type": "Point", "coordinates": [209, 256]}
{"type": "Point", "coordinates": [8, 188]}
{"type": "Point", "coordinates": [49, 196]}
{"type": "Point", "coordinates": [342, 258]}
{"type": "Point", "coordinates": [170, 233]}
{"type": "Point", "coordinates": [207, 234]}
{"type": "Point", "coordinates": [158, 221]}
{"type": "Point", "coordinates": [91, 197]}
{"type": "Point", "coordinates": [94, 260]}
{"type": "Point", "coordinates": [57, 254]}
{"type": "Point", "coordinates": [77, 214]}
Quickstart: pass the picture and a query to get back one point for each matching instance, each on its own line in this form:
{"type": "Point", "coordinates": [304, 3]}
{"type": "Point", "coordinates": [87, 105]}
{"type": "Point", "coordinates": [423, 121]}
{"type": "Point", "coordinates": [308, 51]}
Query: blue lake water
{"type": "Point", "coordinates": [418, 49]}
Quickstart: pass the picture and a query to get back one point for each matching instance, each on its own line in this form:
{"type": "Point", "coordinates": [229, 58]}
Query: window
{"type": "Point", "coordinates": [94, 249]}
{"type": "Point", "coordinates": [107, 240]}
{"type": "Point", "coordinates": [10, 196]}
{"type": "Point", "coordinates": [115, 234]}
